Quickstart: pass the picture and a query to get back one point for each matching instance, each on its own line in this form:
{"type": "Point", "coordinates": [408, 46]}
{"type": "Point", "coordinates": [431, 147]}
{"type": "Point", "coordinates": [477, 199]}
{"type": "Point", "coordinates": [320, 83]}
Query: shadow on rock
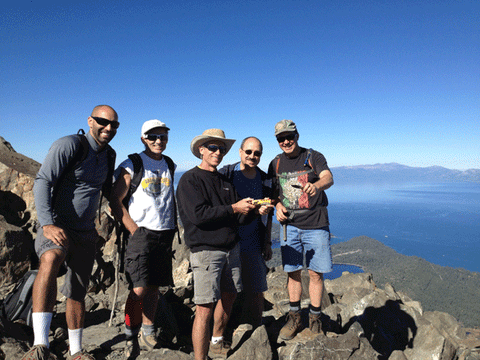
{"type": "Point", "coordinates": [387, 328]}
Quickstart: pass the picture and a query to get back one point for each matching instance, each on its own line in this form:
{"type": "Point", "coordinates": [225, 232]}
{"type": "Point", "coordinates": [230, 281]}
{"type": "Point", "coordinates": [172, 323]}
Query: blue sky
{"type": "Point", "coordinates": [366, 81]}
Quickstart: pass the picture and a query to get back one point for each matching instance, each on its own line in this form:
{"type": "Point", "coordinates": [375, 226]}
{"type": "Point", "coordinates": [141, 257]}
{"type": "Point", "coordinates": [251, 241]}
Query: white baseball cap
{"type": "Point", "coordinates": [152, 124]}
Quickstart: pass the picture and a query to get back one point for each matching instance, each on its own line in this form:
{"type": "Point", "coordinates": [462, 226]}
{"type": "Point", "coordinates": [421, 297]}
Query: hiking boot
{"type": "Point", "coordinates": [81, 355]}
{"type": "Point", "coordinates": [147, 342]}
{"type": "Point", "coordinates": [315, 323]}
{"type": "Point", "coordinates": [219, 350]}
{"type": "Point", "coordinates": [132, 349]}
{"type": "Point", "coordinates": [37, 352]}
{"type": "Point", "coordinates": [292, 327]}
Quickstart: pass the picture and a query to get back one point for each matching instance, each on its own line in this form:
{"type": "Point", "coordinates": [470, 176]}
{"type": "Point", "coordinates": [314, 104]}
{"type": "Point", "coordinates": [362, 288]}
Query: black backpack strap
{"type": "Point", "coordinates": [107, 185]}
{"type": "Point", "coordinates": [80, 154]}
{"type": "Point", "coordinates": [171, 168]}
{"type": "Point", "coordinates": [137, 174]}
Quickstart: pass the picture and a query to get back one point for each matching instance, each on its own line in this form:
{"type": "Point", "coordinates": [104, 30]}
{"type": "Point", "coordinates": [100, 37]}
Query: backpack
{"type": "Point", "coordinates": [17, 305]}
{"type": "Point", "coordinates": [122, 232]}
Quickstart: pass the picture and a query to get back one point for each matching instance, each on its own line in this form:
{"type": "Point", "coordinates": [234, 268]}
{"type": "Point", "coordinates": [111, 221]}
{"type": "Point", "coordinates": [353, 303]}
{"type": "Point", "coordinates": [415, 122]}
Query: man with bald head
{"type": "Point", "coordinates": [67, 192]}
{"type": "Point", "coordinates": [255, 243]}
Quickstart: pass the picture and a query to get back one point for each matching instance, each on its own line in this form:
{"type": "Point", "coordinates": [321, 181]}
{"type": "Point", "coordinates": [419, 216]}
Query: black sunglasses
{"type": "Point", "coordinates": [255, 153]}
{"type": "Point", "coordinates": [155, 137]}
{"type": "Point", "coordinates": [105, 122]}
{"type": "Point", "coordinates": [214, 148]}
{"type": "Point", "coordinates": [288, 137]}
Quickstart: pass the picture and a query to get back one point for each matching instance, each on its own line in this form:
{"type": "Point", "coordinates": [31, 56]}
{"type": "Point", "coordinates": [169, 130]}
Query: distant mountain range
{"type": "Point", "coordinates": [395, 173]}
{"type": "Point", "coordinates": [398, 173]}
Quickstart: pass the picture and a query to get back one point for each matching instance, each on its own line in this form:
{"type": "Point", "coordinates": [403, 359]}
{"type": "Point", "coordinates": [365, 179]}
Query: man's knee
{"type": "Point", "coordinates": [315, 277]}
{"type": "Point", "coordinates": [204, 312]}
{"type": "Point", "coordinates": [139, 293]}
{"type": "Point", "coordinates": [52, 259]}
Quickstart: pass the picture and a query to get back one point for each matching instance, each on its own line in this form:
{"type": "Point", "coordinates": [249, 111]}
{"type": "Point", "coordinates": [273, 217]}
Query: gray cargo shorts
{"type": "Point", "coordinates": [80, 256]}
{"type": "Point", "coordinates": [214, 272]}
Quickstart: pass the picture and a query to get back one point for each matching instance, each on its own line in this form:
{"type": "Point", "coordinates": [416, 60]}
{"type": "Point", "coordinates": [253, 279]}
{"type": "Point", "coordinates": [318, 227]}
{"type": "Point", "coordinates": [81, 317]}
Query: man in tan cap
{"type": "Point", "coordinates": [300, 177]}
{"type": "Point", "coordinates": [211, 210]}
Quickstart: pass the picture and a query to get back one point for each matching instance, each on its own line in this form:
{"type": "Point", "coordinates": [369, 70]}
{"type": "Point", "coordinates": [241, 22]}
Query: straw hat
{"type": "Point", "coordinates": [209, 135]}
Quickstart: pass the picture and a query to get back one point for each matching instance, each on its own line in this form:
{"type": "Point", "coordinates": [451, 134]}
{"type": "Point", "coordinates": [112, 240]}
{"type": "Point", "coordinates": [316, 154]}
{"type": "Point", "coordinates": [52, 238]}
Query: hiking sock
{"type": "Point", "coordinates": [133, 314]}
{"type": "Point", "coordinates": [131, 333]}
{"type": "Point", "coordinates": [315, 310]}
{"type": "Point", "coordinates": [216, 339]}
{"type": "Point", "coordinates": [41, 327]}
{"type": "Point", "coordinates": [148, 329]}
{"type": "Point", "coordinates": [75, 340]}
{"type": "Point", "coordinates": [295, 306]}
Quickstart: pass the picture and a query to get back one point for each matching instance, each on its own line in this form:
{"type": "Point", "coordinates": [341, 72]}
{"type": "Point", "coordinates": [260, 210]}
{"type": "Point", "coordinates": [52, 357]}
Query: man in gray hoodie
{"type": "Point", "coordinates": [67, 198]}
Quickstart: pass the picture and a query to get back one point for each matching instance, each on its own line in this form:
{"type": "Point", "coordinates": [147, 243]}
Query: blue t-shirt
{"type": "Point", "coordinates": [249, 234]}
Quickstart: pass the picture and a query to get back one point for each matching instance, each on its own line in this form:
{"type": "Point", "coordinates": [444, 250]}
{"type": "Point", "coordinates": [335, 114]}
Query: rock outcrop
{"type": "Point", "coordinates": [360, 320]}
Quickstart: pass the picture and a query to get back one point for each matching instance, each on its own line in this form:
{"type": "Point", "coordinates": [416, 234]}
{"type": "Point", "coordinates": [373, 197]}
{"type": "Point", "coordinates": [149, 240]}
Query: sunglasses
{"type": "Point", "coordinates": [288, 137]}
{"type": "Point", "coordinates": [155, 137]}
{"type": "Point", "coordinates": [105, 122]}
{"type": "Point", "coordinates": [214, 148]}
{"type": "Point", "coordinates": [255, 153]}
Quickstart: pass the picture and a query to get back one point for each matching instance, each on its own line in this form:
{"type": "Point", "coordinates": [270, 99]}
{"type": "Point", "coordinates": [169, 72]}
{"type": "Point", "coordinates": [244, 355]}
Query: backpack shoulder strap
{"type": "Point", "coordinates": [136, 177]}
{"type": "Point", "coordinates": [137, 171]}
{"type": "Point", "coordinates": [308, 161]}
{"type": "Point", "coordinates": [277, 159]}
{"type": "Point", "coordinates": [107, 185]}
{"type": "Point", "coordinates": [171, 166]}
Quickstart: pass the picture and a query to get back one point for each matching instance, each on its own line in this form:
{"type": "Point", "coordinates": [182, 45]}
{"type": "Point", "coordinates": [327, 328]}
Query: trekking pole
{"type": "Point", "coordinates": [115, 294]}
{"type": "Point", "coordinates": [117, 274]}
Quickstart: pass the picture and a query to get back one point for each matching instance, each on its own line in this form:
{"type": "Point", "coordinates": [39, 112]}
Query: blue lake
{"type": "Point", "coordinates": [439, 222]}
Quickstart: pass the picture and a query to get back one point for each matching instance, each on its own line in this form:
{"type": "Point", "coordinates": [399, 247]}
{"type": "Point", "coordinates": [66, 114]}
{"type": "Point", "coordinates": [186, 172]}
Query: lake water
{"type": "Point", "coordinates": [439, 222]}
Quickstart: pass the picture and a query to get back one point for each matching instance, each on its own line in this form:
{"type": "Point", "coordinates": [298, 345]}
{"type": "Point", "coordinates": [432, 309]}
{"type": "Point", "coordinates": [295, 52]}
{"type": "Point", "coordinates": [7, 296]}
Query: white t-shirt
{"type": "Point", "coordinates": [151, 205]}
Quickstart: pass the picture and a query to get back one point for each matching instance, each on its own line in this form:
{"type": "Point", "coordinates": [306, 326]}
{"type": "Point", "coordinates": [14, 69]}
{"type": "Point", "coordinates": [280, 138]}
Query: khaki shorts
{"type": "Point", "coordinates": [80, 256]}
{"type": "Point", "coordinates": [215, 272]}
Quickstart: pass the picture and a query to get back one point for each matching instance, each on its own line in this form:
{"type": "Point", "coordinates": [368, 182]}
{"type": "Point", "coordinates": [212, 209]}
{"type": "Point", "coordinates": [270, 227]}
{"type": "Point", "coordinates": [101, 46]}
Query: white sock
{"type": "Point", "coordinates": [75, 340]}
{"type": "Point", "coordinates": [41, 327]}
{"type": "Point", "coordinates": [217, 339]}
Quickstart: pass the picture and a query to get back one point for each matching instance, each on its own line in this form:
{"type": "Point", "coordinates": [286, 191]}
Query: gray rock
{"type": "Point", "coordinates": [397, 355]}
{"type": "Point", "coordinates": [256, 347]}
{"type": "Point", "coordinates": [429, 343]}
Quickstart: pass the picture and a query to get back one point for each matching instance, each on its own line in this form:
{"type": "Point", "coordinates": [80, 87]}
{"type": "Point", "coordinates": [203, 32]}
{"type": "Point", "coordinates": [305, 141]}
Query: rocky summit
{"type": "Point", "coordinates": [360, 320]}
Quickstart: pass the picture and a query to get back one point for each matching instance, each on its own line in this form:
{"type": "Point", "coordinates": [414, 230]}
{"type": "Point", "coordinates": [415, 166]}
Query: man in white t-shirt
{"type": "Point", "coordinates": [149, 216]}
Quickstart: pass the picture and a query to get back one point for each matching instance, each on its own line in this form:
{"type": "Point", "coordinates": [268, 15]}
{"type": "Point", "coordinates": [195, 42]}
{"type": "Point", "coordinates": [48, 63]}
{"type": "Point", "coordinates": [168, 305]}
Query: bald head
{"type": "Point", "coordinates": [253, 140]}
{"type": "Point", "coordinates": [100, 109]}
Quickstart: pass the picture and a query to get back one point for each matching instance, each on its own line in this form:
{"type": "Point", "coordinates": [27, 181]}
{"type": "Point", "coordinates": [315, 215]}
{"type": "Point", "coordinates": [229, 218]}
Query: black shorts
{"type": "Point", "coordinates": [148, 258]}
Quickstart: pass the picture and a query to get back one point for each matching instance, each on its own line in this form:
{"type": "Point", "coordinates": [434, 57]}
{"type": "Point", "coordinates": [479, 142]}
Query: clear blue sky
{"type": "Point", "coordinates": [366, 81]}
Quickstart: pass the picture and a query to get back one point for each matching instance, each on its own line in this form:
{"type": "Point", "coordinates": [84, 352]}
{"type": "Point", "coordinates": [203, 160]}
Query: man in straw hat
{"type": "Point", "coordinates": [300, 177]}
{"type": "Point", "coordinates": [211, 210]}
